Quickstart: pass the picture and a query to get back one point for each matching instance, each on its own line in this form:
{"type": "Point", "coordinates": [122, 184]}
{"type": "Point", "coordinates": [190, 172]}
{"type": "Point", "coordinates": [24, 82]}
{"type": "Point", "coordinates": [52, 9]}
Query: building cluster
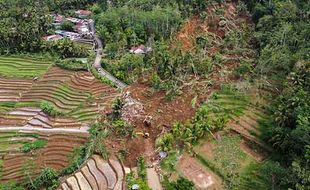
{"type": "Point", "coordinates": [81, 26]}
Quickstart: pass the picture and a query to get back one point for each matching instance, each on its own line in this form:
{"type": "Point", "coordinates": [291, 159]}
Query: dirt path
{"type": "Point", "coordinates": [39, 129]}
{"type": "Point", "coordinates": [153, 179]}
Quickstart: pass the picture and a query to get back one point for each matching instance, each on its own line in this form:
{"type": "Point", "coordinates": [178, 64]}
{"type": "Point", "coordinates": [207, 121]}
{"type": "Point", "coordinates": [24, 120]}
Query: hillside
{"type": "Point", "coordinates": [174, 95]}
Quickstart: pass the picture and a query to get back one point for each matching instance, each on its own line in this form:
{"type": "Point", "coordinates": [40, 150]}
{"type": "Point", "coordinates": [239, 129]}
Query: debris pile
{"type": "Point", "coordinates": [132, 109]}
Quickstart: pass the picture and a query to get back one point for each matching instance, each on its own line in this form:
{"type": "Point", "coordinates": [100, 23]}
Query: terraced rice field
{"type": "Point", "coordinates": [78, 95]}
{"type": "Point", "coordinates": [96, 174]}
{"type": "Point", "coordinates": [16, 164]}
{"type": "Point", "coordinates": [22, 67]}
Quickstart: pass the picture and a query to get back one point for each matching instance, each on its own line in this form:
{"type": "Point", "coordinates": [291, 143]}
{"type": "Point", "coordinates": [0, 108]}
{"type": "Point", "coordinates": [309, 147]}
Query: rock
{"type": "Point", "coordinates": [147, 121]}
{"type": "Point", "coordinates": [222, 23]}
{"type": "Point", "coordinates": [127, 170]}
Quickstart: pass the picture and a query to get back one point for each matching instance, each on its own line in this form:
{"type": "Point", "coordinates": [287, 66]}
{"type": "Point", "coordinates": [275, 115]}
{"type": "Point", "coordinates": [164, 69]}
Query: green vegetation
{"type": "Point", "coordinates": [169, 163]}
{"type": "Point", "coordinates": [72, 64]}
{"type": "Point", "coordinates": [180, 184]}
{"type": "Point", "coordinates": [141, 168]}
{"type": "Point", "coordinates": [239, 170]}
{"type": "Point", "coordinates": [65, 48]}
{"type": "Point", "coordinates": [11, 186]}
{"type": "Point", "coordinates": [282, 32]}
{"type": "Point", "coordinates": [123, 27]}
{"type": "Point", "coordinates": [99, 132]}
{"type": "Point", "coordinates": [30, 146]}
{"type": "Point", "coordinates": [117, 109]}
{"type": "Point", "coordinates": [141, 179]}
{"type": "Point", "coordinates": [22, 67]}
{"type": "Point", "coordinates": [122, 128]}
{"type": "Point", "coordinates": [49, 109]}
{"type": "Point", "coordinates": [16, 139]}
{"type": "Point", "coordinates": [127, 69]}
{"type": "Point", "coordinates": [6, 106]}
{"type": "Point", "coordinates": [48, 178]}
{"type": "Point", "coordinates": [131, 180]}
{"type": "Point", "coordinates": [76, 159]}
{"type": "Point", "coordinates": [67, 25]}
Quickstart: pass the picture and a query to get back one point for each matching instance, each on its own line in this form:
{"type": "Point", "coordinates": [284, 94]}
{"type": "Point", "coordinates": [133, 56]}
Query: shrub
{"type": "Point", "coordinates": [122, 128]}
{"type": "Point", "coordinates": [130, 180]}
{"type": "Point", "coordinates": [141, 168]}
{"type": "Point", "coordinates": [48, 178]}
{"type": "Point", "coordinates": [76, 158]}
{"type": "Point", "coordinates": [11, 186]}
{"type": "Point", "coordinates": [50, 109]}
{"type": "Point", "coordinates": [181, 184]}
{"type": "Point", "coordinates": [117, 109]}
{"type": "Point", "coordinates": [33, 145]}
{"type": "Point", "coordinates": [156, 81]}
{"type": "Point", "coordinates": [243, 69]}
{"type": "Point", "coordinates": [67, 25]}
{"type": "Point", "coordinates": [71, 64]}
{"type": "Point", "coordinates": [65, 48]}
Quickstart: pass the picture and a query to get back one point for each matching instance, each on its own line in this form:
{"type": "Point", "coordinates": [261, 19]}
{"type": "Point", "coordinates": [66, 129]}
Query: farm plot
{"type": "Point", "coordinates": [202, 177]}
{"type": "Point", "coordinates": [22, 67]}
{"type": "Point", "coordinates": [233, 164]}
{"type": "Point", "coordinates": [18, 165]}
{"type": "Point", "coordinates": [77, 94]}
{"type": "Point", "coordinates": [97, 174]}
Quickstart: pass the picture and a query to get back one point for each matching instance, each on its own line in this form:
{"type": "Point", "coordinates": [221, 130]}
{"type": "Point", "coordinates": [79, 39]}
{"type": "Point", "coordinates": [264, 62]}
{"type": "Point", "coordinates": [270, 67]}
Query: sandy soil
{"type": "Point", "coordinates": [203, 178]}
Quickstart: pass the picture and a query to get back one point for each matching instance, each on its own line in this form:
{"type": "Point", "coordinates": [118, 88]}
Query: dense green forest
{"type": "Point", "coordinates": [278, 42]}
{"type": "Point", "coordinates": [282, 32]}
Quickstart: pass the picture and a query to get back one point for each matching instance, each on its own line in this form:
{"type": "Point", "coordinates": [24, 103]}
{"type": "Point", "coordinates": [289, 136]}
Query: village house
{"type": "Point", "coordinates": [83, 13]}
{"type": "Point", "coordinates": [54, 37]}
{"type": "Point", "coordinates": [141, 49]}
{"type": "Point", "coordinates": [81, 27]}
{"type": "Point", "coordinates": [70, 35]}
{"type": "Point", "coordinates": [58, 18]}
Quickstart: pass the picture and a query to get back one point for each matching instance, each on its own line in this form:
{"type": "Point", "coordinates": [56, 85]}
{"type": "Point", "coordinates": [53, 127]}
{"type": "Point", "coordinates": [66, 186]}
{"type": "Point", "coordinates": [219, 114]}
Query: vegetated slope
{"type": "Point", "coordinates": [97, 174]}
{"type": "Point", "coordinates": [32, 139]}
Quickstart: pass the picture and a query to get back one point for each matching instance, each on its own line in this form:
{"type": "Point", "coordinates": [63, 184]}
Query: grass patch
{"type": "Point", "coordinates": [6, 106]}
{"type": "Point", "coordinates": [237, 169]}
{"type": "Point", "coordinates": [227, 160]}
{"type": "Point", "coordinates": [170, 162]}
{"type": "Point", "coordinates": [28, 104]}
{"type": "Point", "coordinates": [29, 146]}
{"type": "Point", "coordinates": [6, 142]}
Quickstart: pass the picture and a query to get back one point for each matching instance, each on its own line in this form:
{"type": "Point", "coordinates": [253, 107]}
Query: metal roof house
{"type": "Point", "coordinates": [52, 37]}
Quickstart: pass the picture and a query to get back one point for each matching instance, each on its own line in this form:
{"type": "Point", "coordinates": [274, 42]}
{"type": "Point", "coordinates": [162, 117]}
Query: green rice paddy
{"type": "Point", "coordinates": [22, 67]}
